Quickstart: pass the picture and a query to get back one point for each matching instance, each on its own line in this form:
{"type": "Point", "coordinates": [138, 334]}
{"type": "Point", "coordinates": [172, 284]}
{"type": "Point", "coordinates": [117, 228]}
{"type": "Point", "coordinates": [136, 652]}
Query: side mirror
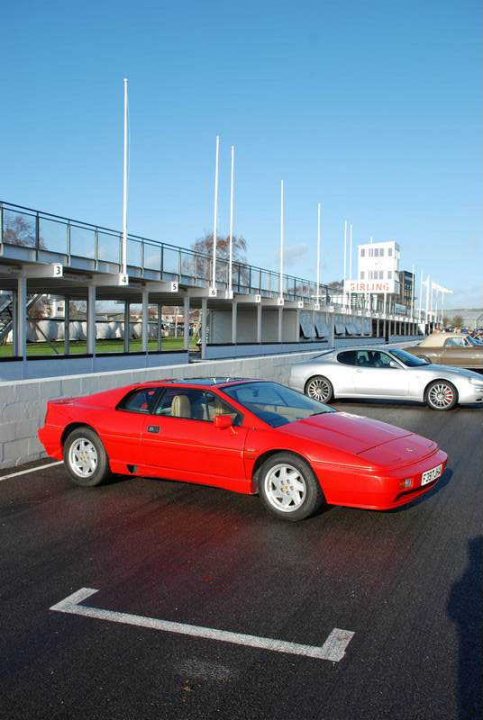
{"type": "Point", "coordinates": [223, 421]}
{"type": "Point", "coordinates": [393, 364]}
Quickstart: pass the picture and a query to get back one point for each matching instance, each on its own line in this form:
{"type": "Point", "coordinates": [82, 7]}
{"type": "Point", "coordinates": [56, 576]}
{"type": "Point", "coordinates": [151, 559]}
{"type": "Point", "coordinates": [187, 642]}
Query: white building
{"type": "Point", "coordinates": [377, 285]}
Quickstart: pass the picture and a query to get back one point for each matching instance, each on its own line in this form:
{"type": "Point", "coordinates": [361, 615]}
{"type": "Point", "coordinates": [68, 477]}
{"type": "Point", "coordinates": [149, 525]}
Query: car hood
{"type": "Point", "coordinates": [449, 370]}
{"type": "Point", "coordinates": [374, 441]}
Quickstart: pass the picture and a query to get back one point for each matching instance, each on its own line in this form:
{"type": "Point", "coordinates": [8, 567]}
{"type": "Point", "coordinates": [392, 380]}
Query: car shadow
{"type": "Point", "coordinates": [465, 609]}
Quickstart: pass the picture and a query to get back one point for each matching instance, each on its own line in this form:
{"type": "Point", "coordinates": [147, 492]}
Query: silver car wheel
{"type": "Point", "coordinates": [441, 396]}
{"type": "Point", "coordinates": [319, 388]}
{"type": "Point", "coordinates": [83, 457]}
{"type": "Point", "coordinates": [285, 487]}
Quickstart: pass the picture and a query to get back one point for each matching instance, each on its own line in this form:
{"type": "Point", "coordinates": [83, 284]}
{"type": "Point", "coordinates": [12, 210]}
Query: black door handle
{"type": "Point", "coordinates": [153, 429]}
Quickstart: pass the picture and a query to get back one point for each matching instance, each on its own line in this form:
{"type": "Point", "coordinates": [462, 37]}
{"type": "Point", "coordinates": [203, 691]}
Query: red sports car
{"type": "Point", "coordinates": [250, 436]}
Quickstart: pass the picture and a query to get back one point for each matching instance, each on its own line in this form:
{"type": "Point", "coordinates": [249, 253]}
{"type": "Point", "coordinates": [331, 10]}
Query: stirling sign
{"type": "Point", "coordinates": [381, 287]}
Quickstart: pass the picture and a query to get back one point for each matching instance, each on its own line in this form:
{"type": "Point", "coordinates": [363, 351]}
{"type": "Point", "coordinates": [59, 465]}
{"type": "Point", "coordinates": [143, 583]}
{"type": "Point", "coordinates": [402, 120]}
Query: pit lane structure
{"type": "Point", "coordinates": [42, 253]}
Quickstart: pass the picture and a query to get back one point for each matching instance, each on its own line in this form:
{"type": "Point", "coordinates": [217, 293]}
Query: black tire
{"type": "Point", "coordinates": [85, 457]}
{"type": "Point", "coordinates": [288, 487]}
{"type": "Point", "coordinates": [441, 395]}
{"type": "Point", "coordinates": [319, 388]}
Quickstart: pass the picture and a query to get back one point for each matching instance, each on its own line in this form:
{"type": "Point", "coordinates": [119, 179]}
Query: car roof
{"type": "Point", "coordinates": [223, 381]}
{"type": "Point", "coordinates": [353, 348]}
{"type": "Point", "coordinates": [438, 339]}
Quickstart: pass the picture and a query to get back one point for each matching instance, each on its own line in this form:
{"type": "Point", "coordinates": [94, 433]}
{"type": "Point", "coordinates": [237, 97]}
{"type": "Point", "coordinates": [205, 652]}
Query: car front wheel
{"type": "Point", "coordinates": [288, 487]}
{"type": "Point", "coordinates": [85, 457]}
{"type": "Point", "coordinates": [441, 395]}
{"type": "Point", "coordinates": [319, 388]}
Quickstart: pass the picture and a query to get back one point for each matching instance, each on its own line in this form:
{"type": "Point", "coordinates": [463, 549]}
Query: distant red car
{"type": "Point", "coordinates": [250, 436]}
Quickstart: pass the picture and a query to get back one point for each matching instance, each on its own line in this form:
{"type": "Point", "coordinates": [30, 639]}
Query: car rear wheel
{"type": "Point", "coordinates": [85, 457]}
{"type": "Point", "coordinates": [319, 388]}
{"type": "Point", "coordinates": [441, 395]}
{"type": "Point", "coordinates": [288, 487]}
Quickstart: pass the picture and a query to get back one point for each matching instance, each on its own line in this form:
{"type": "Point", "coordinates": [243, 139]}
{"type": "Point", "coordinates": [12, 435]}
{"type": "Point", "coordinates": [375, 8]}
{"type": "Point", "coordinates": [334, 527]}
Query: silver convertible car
{"type": "Point", "coordinates": [389, 374]}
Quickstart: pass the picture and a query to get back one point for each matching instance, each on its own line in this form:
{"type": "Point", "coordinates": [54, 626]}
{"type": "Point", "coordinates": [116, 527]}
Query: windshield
{"type": "Point", "coordinates": [275, 404]}
{"type": "Point", "coordinates": [408, 359]}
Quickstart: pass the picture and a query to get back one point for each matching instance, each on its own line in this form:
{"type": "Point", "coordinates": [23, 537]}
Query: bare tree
{"type": "Point", "coordinates": [40, 309]}
{"type": "Point", "coordinates": [200, 265]}
{"type": "Point", "coordinates": [17, 231]}
{"type": "Point", "coordinates": [78, 309]}
{"type": "Point", "coordinates": [458, 321]}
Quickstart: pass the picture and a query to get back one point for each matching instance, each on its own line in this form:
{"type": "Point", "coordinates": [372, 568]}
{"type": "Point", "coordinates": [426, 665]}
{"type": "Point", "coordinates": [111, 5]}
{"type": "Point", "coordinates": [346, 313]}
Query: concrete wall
{"type": "Point", "coordinates": [23, 403]}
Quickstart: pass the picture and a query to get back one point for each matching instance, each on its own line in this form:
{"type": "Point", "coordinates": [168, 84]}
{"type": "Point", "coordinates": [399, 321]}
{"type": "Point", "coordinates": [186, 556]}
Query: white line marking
{"type": "Point", "coordinates": [333, 649]}
{"type": "Point", "coordinates": [34, 469]}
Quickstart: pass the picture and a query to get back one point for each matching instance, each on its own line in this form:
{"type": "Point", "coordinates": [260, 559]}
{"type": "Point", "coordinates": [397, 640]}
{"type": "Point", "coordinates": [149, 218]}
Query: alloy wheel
{"type": "Point", "coordinates": [285, 487]}
{"type": "Point", "coordinates": [83, 457]}
{"type": "Point", "coordinates": [319, 388]}
{"type": "Point", "coordinates": [441, 396]}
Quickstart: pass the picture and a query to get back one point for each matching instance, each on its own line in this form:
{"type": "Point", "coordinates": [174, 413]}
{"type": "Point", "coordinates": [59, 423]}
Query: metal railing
{"type": "Point", "coordinates": [47, 233]}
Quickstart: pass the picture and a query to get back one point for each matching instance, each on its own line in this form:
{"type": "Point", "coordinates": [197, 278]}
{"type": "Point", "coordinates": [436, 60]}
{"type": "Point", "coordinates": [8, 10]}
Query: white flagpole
{"type": "Point", "coordinates": [350, 252]}
{"type": "Point", "coordinates": [318, 253]}
{"type": "Point", "coordinates": [368, 296]}
{"type": "Point", "coordinates": [232, 221]}
{"type": "Point", "coordinates": [345, 262]}
{"type": "Point", "coordinates": [428, 280]}
{"type": "Point", "coordinates": [215, 212]}
{"type": "Point", "coordinates": [125, 180]}
{"type": "Point", "coordinates": [349, 303]}
{"type": "Point", "coordinates": [412, 292]}
{"type": "Point", "coordinates": [420, 297]}
{"type": "Point", "coordinates": [282, 235]}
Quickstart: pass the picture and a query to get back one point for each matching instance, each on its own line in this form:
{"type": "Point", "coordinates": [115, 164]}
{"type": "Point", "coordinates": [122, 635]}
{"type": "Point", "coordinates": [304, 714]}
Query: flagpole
{"type": "Point", "coordinates": [420, 297]}
{"type": "Point", "coordinates": [232, 215]}
{"type": "Point", "coordinates": [318, 253]}
{"type": "Point", "coordinates": [215, 214]}
{"type": "Point", "coordinates": [345, 263]}
{"type": "Point", "coordinates": [282, 235]}
{"type": "Point", "coordinates": [125, 180]}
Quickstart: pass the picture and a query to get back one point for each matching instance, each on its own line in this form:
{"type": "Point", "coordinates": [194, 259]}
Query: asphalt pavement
{"type": "Point", "coordinates": [164, 557]}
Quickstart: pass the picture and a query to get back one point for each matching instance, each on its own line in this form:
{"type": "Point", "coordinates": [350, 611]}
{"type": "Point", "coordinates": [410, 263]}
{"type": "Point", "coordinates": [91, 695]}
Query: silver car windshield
{"type": "Point", "coordinates": [275, 404]}
{"type": "Point", "coordinates": [408, 359]}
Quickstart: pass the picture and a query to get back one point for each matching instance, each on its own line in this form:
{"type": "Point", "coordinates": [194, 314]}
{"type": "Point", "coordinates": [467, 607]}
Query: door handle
{"type": "Point", "coordinates": [153, 429]}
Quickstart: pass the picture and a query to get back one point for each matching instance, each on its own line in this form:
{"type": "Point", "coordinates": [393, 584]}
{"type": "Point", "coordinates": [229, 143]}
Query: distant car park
{"type": "Point", "coordinates": [461, 350]}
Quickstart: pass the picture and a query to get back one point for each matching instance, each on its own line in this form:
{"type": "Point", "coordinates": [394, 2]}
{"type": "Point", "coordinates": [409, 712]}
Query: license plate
{"type": "Point", "coordinates": [431, 475]}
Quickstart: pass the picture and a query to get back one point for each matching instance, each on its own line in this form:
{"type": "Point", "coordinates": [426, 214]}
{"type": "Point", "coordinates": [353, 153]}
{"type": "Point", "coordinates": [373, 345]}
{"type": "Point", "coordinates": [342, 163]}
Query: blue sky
{"type": "Point", "coordinates": [372, 108]}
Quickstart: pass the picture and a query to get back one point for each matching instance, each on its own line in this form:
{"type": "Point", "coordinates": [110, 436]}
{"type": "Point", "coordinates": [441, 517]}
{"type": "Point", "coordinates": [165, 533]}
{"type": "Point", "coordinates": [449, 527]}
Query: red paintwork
{"type": "Point", "coordinates": [359, 462]}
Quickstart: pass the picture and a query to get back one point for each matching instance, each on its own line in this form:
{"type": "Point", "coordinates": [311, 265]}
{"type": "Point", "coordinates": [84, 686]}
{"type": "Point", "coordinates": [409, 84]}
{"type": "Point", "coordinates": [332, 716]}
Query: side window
{"type": "Point", "coordinates": [379, 359]}
{"type": "Point", "coordinates": [362, 358]}
{"type": "Point", "coordinates": [382, 360]}
{"type": "Point", "coordinates": [347, 358]}
{"type": "Point", "coordinates": [455, 342]}
{"type": "Point", "coordinates": [140, 401]}
{"type": "Point", "coordinates": [193, 404]}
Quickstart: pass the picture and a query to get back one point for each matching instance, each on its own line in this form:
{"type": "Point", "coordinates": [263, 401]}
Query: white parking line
{"type": "Point", "coordinates": [333, 649]}
{"type": "Point", "coordinates": [34, 469]}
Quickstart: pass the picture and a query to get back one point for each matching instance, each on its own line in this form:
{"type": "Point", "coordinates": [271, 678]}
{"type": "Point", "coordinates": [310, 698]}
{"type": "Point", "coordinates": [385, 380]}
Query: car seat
{"type": "Point", "coordinates": [181, 406]}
